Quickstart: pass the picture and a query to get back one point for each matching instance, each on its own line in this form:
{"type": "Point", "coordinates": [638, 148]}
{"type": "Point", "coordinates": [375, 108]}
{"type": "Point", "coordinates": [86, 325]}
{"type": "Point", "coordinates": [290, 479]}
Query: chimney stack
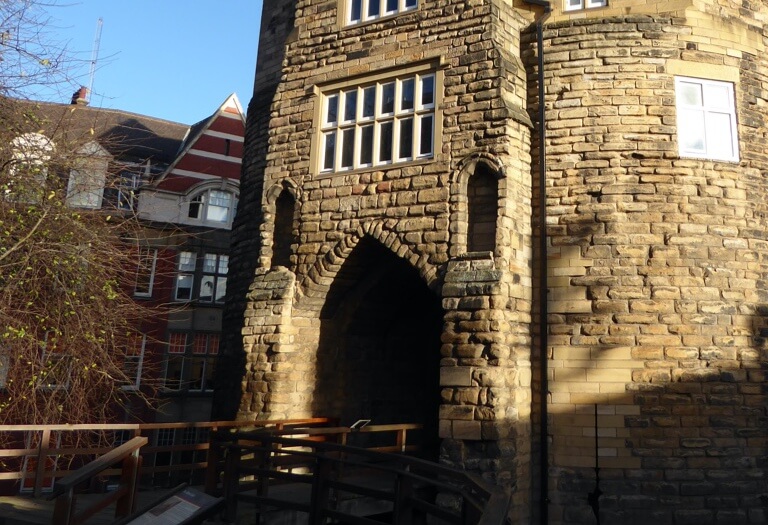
{"type": "Point", "coordinates": [80, 97]}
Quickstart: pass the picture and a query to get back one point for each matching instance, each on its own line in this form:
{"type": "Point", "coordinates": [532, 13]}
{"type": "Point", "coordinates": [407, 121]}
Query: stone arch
{"type": "Point", "coordinates": [281, 209]}
{"type": "Point", "coordinates": [378, 327]}
{"type": "Point", "coordinates": [317, 281]}
{"type": "Point", "coordinates": [475, 203]}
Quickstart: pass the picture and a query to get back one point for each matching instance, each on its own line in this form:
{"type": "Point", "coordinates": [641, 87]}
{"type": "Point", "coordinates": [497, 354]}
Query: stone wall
{"type": "Point", "coordinates": [417, 212]}
{"type": "Point", "coordinates": [657, 265]}
{"type": "Point", "coordinates": [657, 277]}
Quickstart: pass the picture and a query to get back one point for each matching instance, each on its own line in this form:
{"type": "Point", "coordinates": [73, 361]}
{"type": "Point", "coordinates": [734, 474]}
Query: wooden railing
{"type": "Point", "coordinates": [33, 460]}
{"type": "Point", "coordinates": [64, 491]}
{"type": "Point", "coordinates": [268, 469]}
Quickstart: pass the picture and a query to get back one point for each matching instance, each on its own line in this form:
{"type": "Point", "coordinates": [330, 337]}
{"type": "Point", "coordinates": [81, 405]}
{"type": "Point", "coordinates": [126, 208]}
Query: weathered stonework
{"type": "Point", "coordinates": [657, 272]}
{"type": "Point", "coordinates": [657, 265]}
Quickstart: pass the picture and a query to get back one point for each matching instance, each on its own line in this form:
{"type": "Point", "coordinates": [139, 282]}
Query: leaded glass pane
{"type": "Point", "coordinates": [350, 105]}
{"type": "Point", "coordinates": [373, 8]}
{"type": "Point", "coordinates": [332, 110]}
{"type": "Point", "coordinates": [691, 131]}
{"type": "Point", "coordinates": [719, 133]}
{"type": "Point", "coordinates": [355, 9]}
{"type": "Point", "coordinates": [385, 142]}
{"type": "Point", "coordinates": [427, 90]}
{"type": "Point", "coordinates": [426, 132]}
{"type": "Point", "coordinates": [690, 94]}
{"type": "Point", "coordinates": [369, 102]}
{"type": "Point", "coordinates": [347, 148]}
{"type": "Point", "coordinates": [329, 152]}
{"type": "Point", "coordinates": [406, 138]}
{"type": "Point", "coordinates": [366, 144]}
{"type": "Point", "coordinates": [187, 261]}
{"type": "Point", "coordinates": [388, 98]}
{"type": "Point", "coordinates": [406, 96]}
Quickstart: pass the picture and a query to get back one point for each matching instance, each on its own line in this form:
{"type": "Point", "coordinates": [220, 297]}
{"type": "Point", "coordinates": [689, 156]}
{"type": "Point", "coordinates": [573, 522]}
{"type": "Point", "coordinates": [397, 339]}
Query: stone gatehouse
{"type": "Point", "coordinates": [389, 263]}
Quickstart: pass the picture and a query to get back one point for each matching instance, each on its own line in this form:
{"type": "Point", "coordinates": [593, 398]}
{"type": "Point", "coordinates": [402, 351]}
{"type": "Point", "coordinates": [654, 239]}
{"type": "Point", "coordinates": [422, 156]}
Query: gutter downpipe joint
{"type": "Point", "coordinates": [543, 281]}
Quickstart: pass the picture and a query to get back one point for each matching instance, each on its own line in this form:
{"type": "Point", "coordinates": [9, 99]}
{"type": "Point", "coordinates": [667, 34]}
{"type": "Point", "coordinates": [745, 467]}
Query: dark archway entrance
{"type": "Point", "coordinates": [379, 353]}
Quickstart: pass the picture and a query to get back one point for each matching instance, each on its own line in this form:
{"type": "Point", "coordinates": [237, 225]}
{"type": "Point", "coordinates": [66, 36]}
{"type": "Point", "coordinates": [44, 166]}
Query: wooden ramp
{"type": "Point", "coordinates": [27, 510]}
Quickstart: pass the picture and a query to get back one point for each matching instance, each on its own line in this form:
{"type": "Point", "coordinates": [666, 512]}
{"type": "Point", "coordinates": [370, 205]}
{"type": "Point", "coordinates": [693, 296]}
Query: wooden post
{"type": "Point", "coordinates": [231, 482]}
{"type": "Point", "coordinates": [401, 442]}
{"type": "Point", "coordinates": [212, 463]}
{"type": "Point", "coordinates": [64, 508]}
{"type": "Point", "coordinates": [320, 491]}
{"type": "Point", "coordinates": [402, 513]}
{"type": "Point", "coordinates": [42, 456]}
{"type": "Point", "coordinates": [128, 478]}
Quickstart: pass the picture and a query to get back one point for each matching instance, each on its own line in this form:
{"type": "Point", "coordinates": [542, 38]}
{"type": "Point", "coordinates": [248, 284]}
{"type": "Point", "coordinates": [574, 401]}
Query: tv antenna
{"type": "Point", "coordinates": [94, 57]}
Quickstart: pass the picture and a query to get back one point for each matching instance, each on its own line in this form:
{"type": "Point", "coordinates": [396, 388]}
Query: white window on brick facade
{"type": "Point", "coordinates": [213, 284]}
{"type": "Point", "coordinates": [706, 119]}
{"type": "Point", "coordinates": [378, 123]}
{"type": "Point", "coordinates": [185, 276]}
{"type": "Point", "coordinates": [215, 206]}
{"type": "Point", "coordinates": [573, 5]}
{"type": "Point", "coordinates": [56, 370]}
{"type": "Point", "coordinates": [134, 362]}
{"type": "Point", "coordinates": [145, 272]}
{"type": "Point", "coordinates": [364, 10]}
{"type": "Point", "coordinates": [190, 361]}
{"type": "Point", "coordinates": [207, 284]}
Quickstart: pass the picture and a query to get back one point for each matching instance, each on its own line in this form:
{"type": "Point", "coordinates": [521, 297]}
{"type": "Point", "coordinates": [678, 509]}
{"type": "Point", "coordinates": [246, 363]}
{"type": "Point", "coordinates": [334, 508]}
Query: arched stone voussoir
{"type": "Point", "coordinates": [318, 279]}
{"type": "Point", "coordinates": [467, 165]}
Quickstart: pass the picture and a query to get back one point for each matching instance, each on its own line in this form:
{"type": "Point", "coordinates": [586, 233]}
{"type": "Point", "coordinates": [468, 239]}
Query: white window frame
{"type": "Point", "coordinates": [352, 122]}
{"type": "Point", "coordinates": [212, 271]}
{"type": "Point", "coordinates": [360, 11]}
{"type": "Point", "coordinates": [31, 155]}
{"type": "Point", "coordinates": [215, 269]}
{"type": "Point", "coordinates": [203, 205]}
{"type": "Point", "coordinates": [185, 269]}
{"type": "Point", "coordinates": [128, 184]}
{"type": "Point", "coordinates": [577, 5]}
{"type": "Point", "coordinates": [180, 339]}
{"type": "Point", "coordinates": [192, 351]}
{"type": "Point", "coordinates": [204, 351]}
{"type": "Point", "coordinates": [60, 359]}
{"type": "Point", "coordinates": [145, 255]}
{"type": "Point", "coordinates": [139, 360]}
{"type": "Point", "coordinates": [708, 111]}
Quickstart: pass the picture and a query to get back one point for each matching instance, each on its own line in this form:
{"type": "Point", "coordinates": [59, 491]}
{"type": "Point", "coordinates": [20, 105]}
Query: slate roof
{"type": "Point", "coordinates": [127, 136]}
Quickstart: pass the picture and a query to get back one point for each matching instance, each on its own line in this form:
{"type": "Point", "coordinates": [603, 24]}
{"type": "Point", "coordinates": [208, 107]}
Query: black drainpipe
{"type": "Point", "coordinates": [543, 284]}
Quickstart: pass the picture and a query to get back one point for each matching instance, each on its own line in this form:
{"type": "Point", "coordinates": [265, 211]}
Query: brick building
{"type": "Point", "coordinates": [388, 258]}
{"type": "Point", "coordinates": [182, 183]}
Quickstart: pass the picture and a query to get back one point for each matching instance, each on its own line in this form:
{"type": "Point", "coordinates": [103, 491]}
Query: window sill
{"type": "Point", "coordinates": [364, 23]}
{"type": "Point", "coordinates": [186, 393]}
{"type": "Point", "coordinates": [583, 10]}
{"type": "Point", "coordinates": [370, 169]}
{"type": "Point", "coordinates": [709, 159]}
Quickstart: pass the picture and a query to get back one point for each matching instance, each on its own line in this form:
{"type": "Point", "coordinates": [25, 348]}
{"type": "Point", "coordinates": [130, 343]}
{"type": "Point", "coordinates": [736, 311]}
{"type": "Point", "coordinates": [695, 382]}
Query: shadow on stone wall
{"type": "Point", "coordinates": [686, 442]}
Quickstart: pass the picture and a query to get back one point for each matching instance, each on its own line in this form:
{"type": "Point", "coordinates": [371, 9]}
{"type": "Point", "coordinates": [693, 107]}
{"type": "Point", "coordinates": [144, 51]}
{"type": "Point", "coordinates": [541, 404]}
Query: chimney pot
{"type": "Point", "coordinates": [80, 97]}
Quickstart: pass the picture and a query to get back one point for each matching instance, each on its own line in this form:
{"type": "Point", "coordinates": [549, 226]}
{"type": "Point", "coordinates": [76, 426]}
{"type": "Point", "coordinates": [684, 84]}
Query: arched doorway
{"type": "Point", "coordinates": [379, 352]}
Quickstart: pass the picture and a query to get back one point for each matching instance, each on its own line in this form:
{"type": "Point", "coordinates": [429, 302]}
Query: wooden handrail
{"type": "Point", "coordinates": [47, 466]}
{"type": "Point", "coordinates": [98, 465]}
{"type": "Point", "coordinates": [124, 496]}
{"type": "Point", "coordinates": [483, 503]}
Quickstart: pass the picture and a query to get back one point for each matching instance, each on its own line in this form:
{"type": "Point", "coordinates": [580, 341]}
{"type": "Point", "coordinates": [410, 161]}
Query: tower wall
{"type": "Point", "coordinates": [657, 273]}
{"type": "Point", "coordinates": [657, 262]}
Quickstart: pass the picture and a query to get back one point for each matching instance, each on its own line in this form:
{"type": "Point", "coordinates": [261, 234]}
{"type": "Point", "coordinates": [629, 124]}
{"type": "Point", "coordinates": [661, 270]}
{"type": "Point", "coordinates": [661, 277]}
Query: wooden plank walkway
{"type": "Point", "coordinates": [27, 510]}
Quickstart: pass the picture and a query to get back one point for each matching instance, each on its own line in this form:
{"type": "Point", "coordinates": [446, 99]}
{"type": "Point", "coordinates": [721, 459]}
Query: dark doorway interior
{"type": "Point", "coordinates": [379, 355]}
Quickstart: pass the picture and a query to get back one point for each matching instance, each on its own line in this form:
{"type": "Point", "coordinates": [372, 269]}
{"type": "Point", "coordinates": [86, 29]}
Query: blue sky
{"type": "Point", "coordinates": [172, 59]}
